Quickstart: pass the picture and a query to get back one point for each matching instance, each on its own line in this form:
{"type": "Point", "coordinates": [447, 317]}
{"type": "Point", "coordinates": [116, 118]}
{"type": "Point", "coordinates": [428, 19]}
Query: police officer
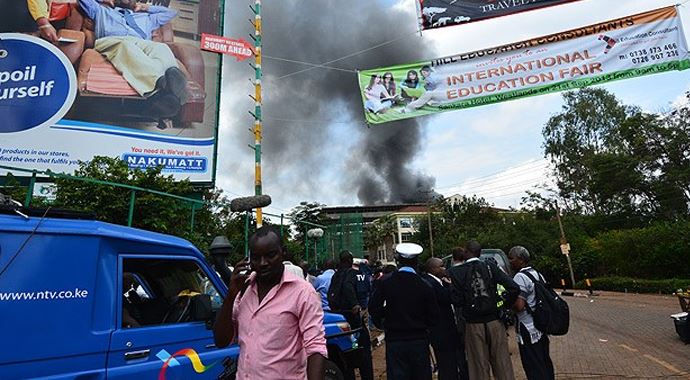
{"type": "Point", "coordinates": [405, 307]}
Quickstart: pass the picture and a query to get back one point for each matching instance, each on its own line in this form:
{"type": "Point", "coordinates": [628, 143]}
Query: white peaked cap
{"type": "Point", "coordinates": [408, 250]}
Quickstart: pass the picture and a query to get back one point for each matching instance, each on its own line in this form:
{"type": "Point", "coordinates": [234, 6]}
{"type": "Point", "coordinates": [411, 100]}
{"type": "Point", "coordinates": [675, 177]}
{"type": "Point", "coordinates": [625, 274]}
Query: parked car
{"type": "Point", "coordinates": [494, 254]}
{"type": "Point", "coordinates": [83, 299]}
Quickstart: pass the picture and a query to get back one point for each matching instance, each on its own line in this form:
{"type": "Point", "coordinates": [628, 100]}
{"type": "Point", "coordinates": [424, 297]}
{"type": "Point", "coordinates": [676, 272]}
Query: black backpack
{"type": "Point", "coordinates": [480, 292]}
{"type": "Point", "coordinates": [551, 313]}
{"type": "Point", "coordinates": [335, 290]}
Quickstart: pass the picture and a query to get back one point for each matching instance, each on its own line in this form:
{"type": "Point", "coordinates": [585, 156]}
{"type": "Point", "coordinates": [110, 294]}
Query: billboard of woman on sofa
{"type": "Point", "coordinates": [144, 87]}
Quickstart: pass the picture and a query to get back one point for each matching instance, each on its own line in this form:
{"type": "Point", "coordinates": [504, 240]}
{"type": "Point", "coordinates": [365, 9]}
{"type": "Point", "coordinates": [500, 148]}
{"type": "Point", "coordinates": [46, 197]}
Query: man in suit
{"type": "Point", "coordinates": [448, 344]}
{"type": "Point", "coordinates": [405, 307]}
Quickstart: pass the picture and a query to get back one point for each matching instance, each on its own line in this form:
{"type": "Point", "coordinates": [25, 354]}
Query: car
{"type": "Point", "coordinates": [80, 298]}
{"type": "Point", "coordinates": [497, 255]}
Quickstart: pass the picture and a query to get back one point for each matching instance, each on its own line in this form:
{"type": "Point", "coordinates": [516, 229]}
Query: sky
{"type": "Point", "coordinates": [493, 151]}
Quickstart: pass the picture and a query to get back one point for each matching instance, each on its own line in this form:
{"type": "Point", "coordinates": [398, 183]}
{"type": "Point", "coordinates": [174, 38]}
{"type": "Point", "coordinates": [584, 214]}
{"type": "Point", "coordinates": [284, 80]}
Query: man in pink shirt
{"type": "Point", "coordinates": [275, 316]}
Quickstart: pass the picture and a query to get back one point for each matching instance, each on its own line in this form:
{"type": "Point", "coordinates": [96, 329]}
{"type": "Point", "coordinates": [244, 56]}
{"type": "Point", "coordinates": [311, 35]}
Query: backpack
{"type": "Point", "coordinates": [335, 290]}
{"type": "Point", "coordinates": [480, 294]}
{"type": "Point", "coordinates": [551, 313]}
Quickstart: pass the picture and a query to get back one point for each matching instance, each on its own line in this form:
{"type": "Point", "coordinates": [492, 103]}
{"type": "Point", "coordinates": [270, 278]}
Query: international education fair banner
{"type": "Point", "coordinates": [440, 13]}
{"type": "Point", "coordinates": [647, 43]}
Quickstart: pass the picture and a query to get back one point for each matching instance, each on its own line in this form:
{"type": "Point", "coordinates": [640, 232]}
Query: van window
{"type": "Point", "coordinates": [160, 291]}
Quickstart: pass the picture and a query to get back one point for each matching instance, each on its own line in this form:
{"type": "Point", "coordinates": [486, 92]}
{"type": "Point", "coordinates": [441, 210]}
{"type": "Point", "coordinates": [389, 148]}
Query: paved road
{"type": "Point", "coordinates": [612, 336]}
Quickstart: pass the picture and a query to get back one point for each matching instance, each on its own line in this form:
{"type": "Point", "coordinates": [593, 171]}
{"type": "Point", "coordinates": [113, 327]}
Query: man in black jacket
{"type": "Point", "coordinates": [448, 344]}
{"type": "Point", "coordinates": [343, 299]}
{"type": "Point", "coordinates": [475, 295]}
{"type": "Point", "coordinates": [405, 307]}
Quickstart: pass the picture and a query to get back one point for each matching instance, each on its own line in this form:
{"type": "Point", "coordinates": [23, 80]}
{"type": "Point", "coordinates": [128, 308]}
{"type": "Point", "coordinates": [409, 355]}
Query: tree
{"type": "Point", "coordinates": [380, 233]}
{"type": "Point", "coordinates": [615, 160]}
{"type": "Point", "coordinates": [152, 211]}
{"type": "Point", "coordinates": [310, 212]}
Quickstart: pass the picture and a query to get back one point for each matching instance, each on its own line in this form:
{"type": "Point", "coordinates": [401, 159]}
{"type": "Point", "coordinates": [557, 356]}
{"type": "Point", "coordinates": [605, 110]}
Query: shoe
{"type": "Point", "coordinates": [177, 84]}
{"type": "Point", "coordinates": [164, 124]}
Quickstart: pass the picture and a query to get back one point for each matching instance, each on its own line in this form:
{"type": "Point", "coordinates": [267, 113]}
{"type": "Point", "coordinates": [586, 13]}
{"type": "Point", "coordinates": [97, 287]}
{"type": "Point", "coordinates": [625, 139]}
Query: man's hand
{"type": "Point", "coordinates": [109, 3]}
{"type": "Point", "coordinates": [240, 275]}
{"type": "Point", "coordinates": [141, 7]}
{"type": "Point", "coordinates": [224, 329]}
{"type": "Point", "coordinates": [46, 30]}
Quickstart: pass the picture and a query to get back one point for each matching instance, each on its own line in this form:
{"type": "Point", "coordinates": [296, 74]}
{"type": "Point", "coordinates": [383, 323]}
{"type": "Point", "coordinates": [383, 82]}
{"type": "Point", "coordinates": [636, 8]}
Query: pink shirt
{"type": "Point", "coordinates": [278, 335]}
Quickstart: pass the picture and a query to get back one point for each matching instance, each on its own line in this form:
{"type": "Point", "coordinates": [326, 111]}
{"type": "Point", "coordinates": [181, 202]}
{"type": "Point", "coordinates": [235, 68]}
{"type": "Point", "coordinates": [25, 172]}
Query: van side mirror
{"type": "Point", "coordinates": [200, 308]}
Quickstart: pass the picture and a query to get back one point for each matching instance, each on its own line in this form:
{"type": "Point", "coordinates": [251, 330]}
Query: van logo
{"type": "Point", "coordinates": [170, 361]}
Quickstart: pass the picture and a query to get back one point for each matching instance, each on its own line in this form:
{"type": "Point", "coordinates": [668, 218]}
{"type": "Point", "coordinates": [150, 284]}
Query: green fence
{"type": "Point", "coordinates": [344, 230]}
{"type": "Point", "coordinates": [344, 234]}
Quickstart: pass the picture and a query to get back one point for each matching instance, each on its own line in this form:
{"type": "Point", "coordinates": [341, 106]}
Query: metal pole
{"type": "Point", "coordinates": [246, 234]}
{"type": "Point", "coordinates": [565, 241]}
{"type": "Point", "coordinates": [306, 248]}
{"type": "Point", "coordinates": [431, 232]}
{"type": "Point", "coordinates": [132, 197]}
{"type": "Point", "coordinates": [30, 190]}
{"type": "Point", "coordinates": [257, 107]}
{"type": "Point", "coordinates": [281, 225]}
{"type": "Point", "coordinates": [191, 224]}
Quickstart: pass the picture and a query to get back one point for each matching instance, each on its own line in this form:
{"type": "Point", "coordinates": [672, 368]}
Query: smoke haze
{"type": "Point", "coordinates": [377, 164]}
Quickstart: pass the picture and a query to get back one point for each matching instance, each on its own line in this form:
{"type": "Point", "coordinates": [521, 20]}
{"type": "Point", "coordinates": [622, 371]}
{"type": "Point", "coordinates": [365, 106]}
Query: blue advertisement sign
{"type": "Point", "coordinates": [37, 83]}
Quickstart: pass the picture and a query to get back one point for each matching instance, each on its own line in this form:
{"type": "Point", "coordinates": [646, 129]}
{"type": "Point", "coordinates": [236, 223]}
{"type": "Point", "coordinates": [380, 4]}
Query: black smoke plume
{"type": "Point", "coordinates": [378, 167]}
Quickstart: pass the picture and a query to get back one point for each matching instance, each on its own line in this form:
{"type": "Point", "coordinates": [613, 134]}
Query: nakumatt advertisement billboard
{"type": "Point", "coordinates": [85, 78]}
{"type": "Point", "coordinates": [644, 44]}
{"type": "Point", "coordinates": [440, 13]}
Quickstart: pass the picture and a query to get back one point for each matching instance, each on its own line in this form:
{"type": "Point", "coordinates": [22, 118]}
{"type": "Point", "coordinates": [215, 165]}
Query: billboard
{"type": "Point", "coordinates": [118, 78]}
{"type": "Point", "coordinates": [643, 44]}
{"type": "Point", "coordinates": [440, 13]}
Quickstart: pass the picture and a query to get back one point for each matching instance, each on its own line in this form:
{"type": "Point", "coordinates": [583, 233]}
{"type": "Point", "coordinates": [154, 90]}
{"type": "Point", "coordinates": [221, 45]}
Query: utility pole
{"type": "Point", "coordinates": [257, 105]}
{"type": "Point", "coordinates": [428, 219]}
{"type": "Point", "coordinates": [431, 233]}
{"type": "Point", "coordinates": [565, 247]}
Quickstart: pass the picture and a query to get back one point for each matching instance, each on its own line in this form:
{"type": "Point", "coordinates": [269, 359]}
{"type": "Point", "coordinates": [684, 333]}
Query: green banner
{"type": "Point", "coordinates": [629, 47]}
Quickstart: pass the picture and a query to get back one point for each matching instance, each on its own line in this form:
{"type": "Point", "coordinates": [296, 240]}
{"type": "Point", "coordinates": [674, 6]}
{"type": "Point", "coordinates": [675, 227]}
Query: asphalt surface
{"type": "Point", "coordinates": [612, 336]}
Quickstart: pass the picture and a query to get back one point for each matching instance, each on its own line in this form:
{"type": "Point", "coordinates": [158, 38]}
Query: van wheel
{"type": "Point", "coordinates": [332, 371]}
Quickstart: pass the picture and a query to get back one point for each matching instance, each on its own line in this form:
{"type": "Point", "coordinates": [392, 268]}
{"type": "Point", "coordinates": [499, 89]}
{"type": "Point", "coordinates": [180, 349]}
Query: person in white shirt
{"type": "Point", "coordinates": [533, 344]}
{"type": "Point", "coordinates": [378, 98]}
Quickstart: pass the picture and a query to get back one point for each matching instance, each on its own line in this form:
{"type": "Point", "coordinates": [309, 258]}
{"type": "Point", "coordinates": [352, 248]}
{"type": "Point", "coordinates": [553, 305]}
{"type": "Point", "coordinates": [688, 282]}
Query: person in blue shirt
{"type": "Point", "coordinates": [323, 282]}
{"type": "Point", "coordinates": [123, 31]}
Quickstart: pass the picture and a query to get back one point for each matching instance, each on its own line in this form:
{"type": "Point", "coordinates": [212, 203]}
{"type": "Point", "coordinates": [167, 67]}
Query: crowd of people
{"type": "Point", "coordinates": [445, 316]}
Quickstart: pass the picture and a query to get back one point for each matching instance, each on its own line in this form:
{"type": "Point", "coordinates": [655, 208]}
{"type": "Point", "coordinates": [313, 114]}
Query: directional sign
{"type": "Point", "coordinates": [239, 49]}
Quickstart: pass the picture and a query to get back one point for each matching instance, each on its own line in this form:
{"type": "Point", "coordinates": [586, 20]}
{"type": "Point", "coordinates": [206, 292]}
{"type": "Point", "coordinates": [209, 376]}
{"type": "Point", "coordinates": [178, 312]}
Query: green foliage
{"type": "Point", "coordinates": [657, 251]}
{"type": "Point", "coordinates": [636, 285]}
{"type": "Point", "coordinates": [307, 212]}
{"type": "Point", "coordinates": [380, 232]}
{"type": "Point", "coordinates": [611, 159]}
{"type": "Point", "coordinates": [152, 211]}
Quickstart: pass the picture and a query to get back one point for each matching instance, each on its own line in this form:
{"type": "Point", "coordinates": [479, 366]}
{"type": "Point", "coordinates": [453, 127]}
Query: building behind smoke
{"type": "Point", "coordinates": [405, 218]}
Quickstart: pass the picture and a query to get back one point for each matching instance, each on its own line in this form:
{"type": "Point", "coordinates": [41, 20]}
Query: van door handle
{"type": "Point", "coordinates": [137, 355]}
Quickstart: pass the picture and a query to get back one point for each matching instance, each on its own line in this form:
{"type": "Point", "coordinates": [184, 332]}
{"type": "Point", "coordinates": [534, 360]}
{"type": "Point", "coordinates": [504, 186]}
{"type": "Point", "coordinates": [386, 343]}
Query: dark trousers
{"type": "Point", "coordinates": [450, 357]}
{"type": "Point", "coordinates": [536, 360]}
{"type": "Point", "coordinates": [408, 360]}
{"type": "Point", "coordinates": [366, 368]}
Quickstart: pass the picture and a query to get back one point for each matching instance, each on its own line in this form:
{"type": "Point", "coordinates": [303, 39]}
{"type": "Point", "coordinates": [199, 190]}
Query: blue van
{"type": "Point", "coordinates": [82, 299]}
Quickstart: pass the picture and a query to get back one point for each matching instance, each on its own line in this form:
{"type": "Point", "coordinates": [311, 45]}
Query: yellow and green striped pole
{"type": "Point", "coordinates": [257, 107]}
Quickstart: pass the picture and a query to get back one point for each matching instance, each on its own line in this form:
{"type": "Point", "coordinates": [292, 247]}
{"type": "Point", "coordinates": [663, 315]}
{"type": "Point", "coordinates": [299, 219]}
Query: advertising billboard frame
{"type": "Point", "coordinates": [214, 62]}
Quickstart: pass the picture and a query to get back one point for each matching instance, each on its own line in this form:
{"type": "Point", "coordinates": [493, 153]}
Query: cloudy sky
{"type": "Point", "coordinates": [317, 146]}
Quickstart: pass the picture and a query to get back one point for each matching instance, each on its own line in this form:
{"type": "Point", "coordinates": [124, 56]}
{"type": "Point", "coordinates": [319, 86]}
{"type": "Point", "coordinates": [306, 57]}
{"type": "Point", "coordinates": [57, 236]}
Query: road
{"type": "Point", "coordinates": [612, 336]}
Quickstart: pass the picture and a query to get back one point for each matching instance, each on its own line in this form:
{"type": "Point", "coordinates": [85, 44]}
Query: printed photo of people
{"type": "Point", "coordinates": [138, 62]}
{"type": "Point", "coordinates": [407, 93]}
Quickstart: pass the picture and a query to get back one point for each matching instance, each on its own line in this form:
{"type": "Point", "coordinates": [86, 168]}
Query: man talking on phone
{"type": "Point", "coordinates": [275, 316]}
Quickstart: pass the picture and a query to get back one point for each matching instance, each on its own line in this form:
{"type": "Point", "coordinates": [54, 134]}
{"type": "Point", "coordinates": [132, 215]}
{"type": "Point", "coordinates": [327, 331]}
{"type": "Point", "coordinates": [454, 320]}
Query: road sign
{"type": "Point", "coordinates": [565, 249]}
{"type": "Point", "coordinates": [239, 48]}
